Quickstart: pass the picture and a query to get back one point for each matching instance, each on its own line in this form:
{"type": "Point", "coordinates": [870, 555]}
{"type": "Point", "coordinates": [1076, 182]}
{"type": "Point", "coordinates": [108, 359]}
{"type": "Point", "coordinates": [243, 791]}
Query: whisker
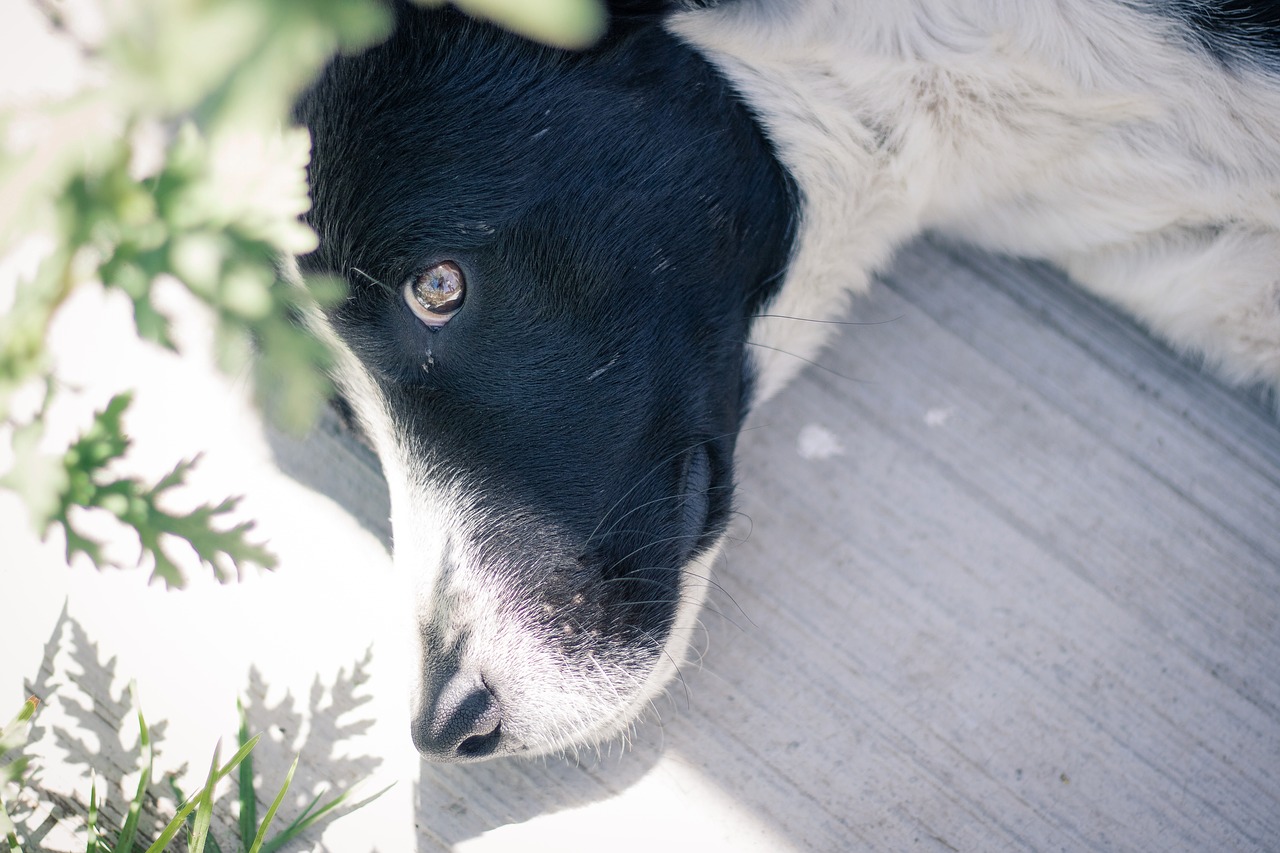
{"type": "Point", "coordinates": [653, 581]}
{"type": "Point", "coordinates": [727, 594]}
{"type": "Point", "coordinates": [688, 700]}
{"type": "Point", "coordinates": [708, 579]}
{"type": "Point", "coordinates": [664, 540]}
{"type": "Point", "coordinates": [828, 322]}
{"type": "Point", "coordinates": [680, 495]}
{"type": "Point", "coordinates": [807, 361]}
{"type": "Point", "coordinates": [386, 287]}
{"type": "Point", "coordinates": [751, 527]}
{"type": "Point", "coordinates": [656, 468]}
{"type": "Point", "coordinates": [678, 600]}
{"type": "Point", "coordinates": [630, 577]}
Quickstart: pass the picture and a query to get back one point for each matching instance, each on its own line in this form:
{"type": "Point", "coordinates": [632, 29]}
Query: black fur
{"type": "Point", "coordinates": [1235, 32]}
{"type": "Point", "coordinates": [619, 217]}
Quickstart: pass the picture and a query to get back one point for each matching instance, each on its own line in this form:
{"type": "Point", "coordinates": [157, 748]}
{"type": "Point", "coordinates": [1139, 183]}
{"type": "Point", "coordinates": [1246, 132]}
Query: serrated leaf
{"type": "Point", "coordinates": [216, 548]}
{"type": "Point", "coordinates": [220, 549]}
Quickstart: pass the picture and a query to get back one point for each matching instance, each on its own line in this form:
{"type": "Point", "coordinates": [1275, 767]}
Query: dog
{"type": "Point", "coordinates": [566, 270]}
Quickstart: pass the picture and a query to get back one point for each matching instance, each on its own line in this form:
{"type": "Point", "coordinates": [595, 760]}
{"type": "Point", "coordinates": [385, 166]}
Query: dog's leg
{"type": "Point", "coordinates": [1214, 292]}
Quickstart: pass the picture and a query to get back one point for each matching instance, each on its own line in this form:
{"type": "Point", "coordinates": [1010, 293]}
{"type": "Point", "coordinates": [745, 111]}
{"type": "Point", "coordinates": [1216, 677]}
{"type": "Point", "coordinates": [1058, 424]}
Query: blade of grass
{"type": "Point", "coordinates": [168, 833]}
{"type": "Point", "coordinates": [261, 835]}
{"type": "Point", "coordinates": [180, 797]}
{"type": "Point", "coordinates": [128, 832]}
{"type": "Point", "coordinates": [308, 819]}
{"type": "Point", "coordinates": [175, 825]}
{"type": "Point", "coordinates": [14, 734]}
{"type": "Point", "coordinates": [204, 811]}
{"type": "Point", "coordinates": [248, 797]}
{"type": "Point", "coordinates": [9, 830]}
{"type": "Point", "coordinates": [311, 805]}
{"type": "Point", "coordinates": [91, 824]}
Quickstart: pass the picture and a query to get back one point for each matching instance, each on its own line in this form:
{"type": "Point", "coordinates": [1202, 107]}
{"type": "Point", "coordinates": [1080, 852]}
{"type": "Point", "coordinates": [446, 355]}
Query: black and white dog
{"type": "Point", "coordinates": [558, 261]}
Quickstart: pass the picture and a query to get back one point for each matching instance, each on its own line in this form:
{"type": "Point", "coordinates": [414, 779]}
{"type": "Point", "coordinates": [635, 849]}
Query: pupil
{"type": "Point", "coordinates": [440, 288]}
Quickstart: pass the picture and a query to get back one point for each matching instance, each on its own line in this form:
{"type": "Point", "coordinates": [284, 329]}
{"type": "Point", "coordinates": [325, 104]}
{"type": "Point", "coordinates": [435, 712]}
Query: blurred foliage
{"type": "Point", "coordinates": [178, 163]}
{"type": "Point", "coordinates": [564, 23]}
{"type": "Point", "coordinates": [13, 737]}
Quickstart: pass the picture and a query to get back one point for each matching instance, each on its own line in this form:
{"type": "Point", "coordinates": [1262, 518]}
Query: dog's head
{"type": "Point", "coordinates": [553, 259]}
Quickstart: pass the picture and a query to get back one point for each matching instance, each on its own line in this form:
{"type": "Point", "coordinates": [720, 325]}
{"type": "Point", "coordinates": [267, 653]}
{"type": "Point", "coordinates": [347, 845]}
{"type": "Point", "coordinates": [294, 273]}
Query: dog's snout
{"type": "Point", "coordinates": [463, 722]}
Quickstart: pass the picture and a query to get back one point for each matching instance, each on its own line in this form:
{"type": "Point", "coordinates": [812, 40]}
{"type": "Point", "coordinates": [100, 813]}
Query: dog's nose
{"type": "Point", "coordinates": [463, 722]}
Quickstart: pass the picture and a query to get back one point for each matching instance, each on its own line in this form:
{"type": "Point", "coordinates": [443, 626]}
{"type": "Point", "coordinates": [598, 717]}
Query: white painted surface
{"type": "Point", "coordinates": [1051, 621]}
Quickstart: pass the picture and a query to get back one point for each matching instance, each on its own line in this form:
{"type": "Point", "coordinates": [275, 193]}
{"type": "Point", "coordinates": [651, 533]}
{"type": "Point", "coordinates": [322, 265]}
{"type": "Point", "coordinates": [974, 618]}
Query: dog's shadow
{"type": "Point", "coordinates": [456, 803]}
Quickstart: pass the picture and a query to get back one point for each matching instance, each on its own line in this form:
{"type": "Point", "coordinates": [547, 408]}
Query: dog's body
{"type": "Point", "coordinates": [571, 275]}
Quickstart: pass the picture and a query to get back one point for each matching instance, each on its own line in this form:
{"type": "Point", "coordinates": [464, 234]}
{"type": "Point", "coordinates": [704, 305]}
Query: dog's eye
{"type": "Point", "coordinates": [435, 294]}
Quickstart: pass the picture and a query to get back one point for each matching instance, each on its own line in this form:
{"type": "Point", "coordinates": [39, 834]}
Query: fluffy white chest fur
{"type": "Point", "coordinates": [1091, 134]}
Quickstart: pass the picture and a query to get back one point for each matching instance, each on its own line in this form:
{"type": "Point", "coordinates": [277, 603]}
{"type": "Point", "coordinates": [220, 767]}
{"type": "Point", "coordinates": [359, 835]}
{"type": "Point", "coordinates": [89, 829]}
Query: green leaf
{"type": "Point", "coordinates": [308, 818]}
{"type": "Point", "coordinates": [218, 549]}
{"type": "Point", "coordinates": [7, 828]}
{"type": "Point", "coordinates": [15, 732]}
{"type": "Point", "coordinates": [82, 464]}
{"type": "Point", "coordinates": [137, 506]}
{"type": "Point", "coordinates": [248, 797]}
{"type": "Point", "coordinates": [181, 798]}
{"type": "Point", "coordinates": [91, 823]}
{"type": "Point", "coordinates": [128, 832]}
{"type": "Point", "coordinates": [560, 23]}
{"type": "Point", "coordinates": [261, 834]}
{"type": "Point", "coordinates": [174, 826]}
{"type": "Point", "coordinates": [204, 811]}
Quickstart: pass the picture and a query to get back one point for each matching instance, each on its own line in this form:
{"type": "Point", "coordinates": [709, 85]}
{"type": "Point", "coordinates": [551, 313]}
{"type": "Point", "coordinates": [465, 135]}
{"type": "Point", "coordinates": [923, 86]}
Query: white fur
{"type": "Point", "coordinates": [1085, 133]}
{"type": "Point", "coordinates": [550, 701]}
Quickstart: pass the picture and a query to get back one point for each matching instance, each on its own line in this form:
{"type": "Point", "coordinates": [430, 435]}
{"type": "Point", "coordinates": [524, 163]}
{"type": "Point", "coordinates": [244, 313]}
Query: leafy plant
{"type": "Point", "coordinates": [174, 169]}
{"type": "Point", "coordinates": [194, 814]}
{"type": "Point", "coordinates": [185, 178]}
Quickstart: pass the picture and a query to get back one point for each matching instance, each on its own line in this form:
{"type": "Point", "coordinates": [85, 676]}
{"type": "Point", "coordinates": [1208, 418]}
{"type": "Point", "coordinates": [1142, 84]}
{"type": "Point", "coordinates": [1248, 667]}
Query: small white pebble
{"type": "Point", "coordinates": [939, 417]}
{"type": "Point", "coordinates": [816, 442]}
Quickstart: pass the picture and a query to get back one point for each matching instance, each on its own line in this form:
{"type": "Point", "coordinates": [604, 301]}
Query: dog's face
{"type": "Point", "coordinates": [553, 260]}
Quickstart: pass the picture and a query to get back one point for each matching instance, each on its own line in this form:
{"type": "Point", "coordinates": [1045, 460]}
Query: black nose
{"type": "Point", "coordinates": [462, 722]}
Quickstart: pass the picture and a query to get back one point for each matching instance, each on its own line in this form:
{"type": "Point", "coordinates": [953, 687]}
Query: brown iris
{"type": "Point", "coordinates": [436, 293]}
